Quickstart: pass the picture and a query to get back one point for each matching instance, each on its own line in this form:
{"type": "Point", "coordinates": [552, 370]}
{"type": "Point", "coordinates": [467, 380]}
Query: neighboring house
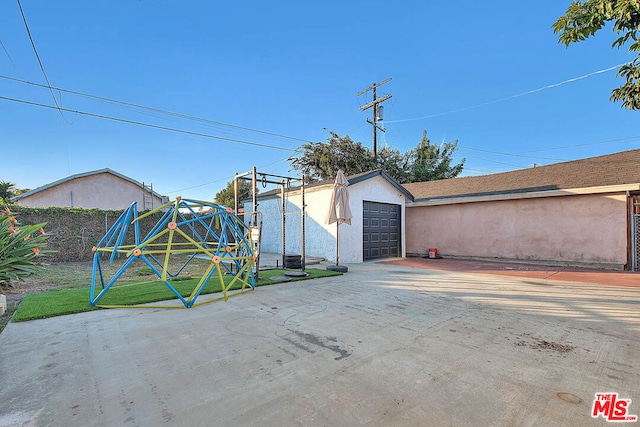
{"type": "Point", "coordinates": [103, 189]}
{"type": "Point", "coordinates": [377, 228]}
{"type": "Point", "coordinates": [583, 211]}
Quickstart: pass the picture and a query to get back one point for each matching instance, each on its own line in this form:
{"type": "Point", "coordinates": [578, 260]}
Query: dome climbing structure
{"type": "Point", "coordinates": [187, 229]}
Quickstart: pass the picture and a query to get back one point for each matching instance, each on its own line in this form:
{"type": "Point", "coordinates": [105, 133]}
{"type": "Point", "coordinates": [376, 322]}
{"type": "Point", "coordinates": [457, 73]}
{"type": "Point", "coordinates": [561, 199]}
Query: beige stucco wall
{"type": "Point", "coordinates": [576, 228]}
{"type": "Point", "coordinates": [102, 191]}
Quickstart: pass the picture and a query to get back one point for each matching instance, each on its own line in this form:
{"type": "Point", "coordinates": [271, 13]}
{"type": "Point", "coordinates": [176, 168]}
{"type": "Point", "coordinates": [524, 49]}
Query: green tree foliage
{"type": "Point", "coordinates": [320, 161]}
{"type": "Point", "coordinates": [7, 191]}
{"type": "Point", "coordinates": [584, 18]}
{"type": "Point", "coordinates": [18, 247]}
{"type": "Point", "coordinates": [429, 162]}
{"type": "Point", "coordinates": [226, 196]}
{"type": "Point", "coordinates": [395, 163]}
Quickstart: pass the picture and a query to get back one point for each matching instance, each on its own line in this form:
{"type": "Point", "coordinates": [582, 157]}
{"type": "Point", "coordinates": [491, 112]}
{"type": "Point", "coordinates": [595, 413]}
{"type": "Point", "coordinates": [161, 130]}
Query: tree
{"type": "Point", "coordinates": [226, 196]}
{"type": "Point", "coordinates": [7, 191]}
{"type": "Point", "coordinates": [585, 18]}
{"type": "Point", "coordinates": [395, 163]}
{"type": "Point", "coordinates": [430, 162]}
{"type": "Point", "coordinates": [320, 161]}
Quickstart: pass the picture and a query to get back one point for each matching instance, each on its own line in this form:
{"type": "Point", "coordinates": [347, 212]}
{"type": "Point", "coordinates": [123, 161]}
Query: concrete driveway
{"type": "Point", "coordinates": [382, 345]}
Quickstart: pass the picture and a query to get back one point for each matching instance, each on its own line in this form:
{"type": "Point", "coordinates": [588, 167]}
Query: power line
{"type": "Point", "coordinates": [155, 110]}
{"type": "Point", "coordinates": [10, 59]}
{"type": "Point", "coordinates": [495, 161]}
{"type": "Point", "coordinates": [523, 153]}
{"type": "Point", "coordinates": [44, 73]}
{"type": "Point", "coordinates": [33, 45]}
{"type": "Point", "coordinates": [509, 97]}
{"type": "Point", "coordinates": [149, 125]}
{"type": "Point", "coordinates": [485, 171]}
{"type": "Point", "coordinates": [222, 179]}
{"type": "Point", "coordinates": [509, 154]}
{"type": "Point", "coordinates": [583, 145]}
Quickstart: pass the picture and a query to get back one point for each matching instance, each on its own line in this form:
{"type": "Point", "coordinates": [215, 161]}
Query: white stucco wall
{"type": "Point", "coordinates": [103, 191]}
{"type": "Point", "coordinates": [320, 238]}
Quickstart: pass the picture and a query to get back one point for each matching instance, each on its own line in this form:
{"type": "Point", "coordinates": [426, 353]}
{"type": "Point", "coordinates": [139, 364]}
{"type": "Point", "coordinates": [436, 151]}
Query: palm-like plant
{"type": "Point", "coordinates": [18, 246]}
{"type": "Point", "coordinates": [7, 190]}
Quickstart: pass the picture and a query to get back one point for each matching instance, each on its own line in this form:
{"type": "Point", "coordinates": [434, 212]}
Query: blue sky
{"type": "Point", "coordinates": [462, 70]}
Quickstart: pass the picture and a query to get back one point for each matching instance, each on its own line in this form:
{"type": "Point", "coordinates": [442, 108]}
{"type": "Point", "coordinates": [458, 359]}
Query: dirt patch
{"type": "Point", "coordinates": [17, 292]}
{"type": "Point", "coordinates": [540, 344]}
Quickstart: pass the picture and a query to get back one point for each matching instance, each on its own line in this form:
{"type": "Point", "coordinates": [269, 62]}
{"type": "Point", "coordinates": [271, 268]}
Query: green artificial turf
{"type": "Point", "coordinates": [69, 301]}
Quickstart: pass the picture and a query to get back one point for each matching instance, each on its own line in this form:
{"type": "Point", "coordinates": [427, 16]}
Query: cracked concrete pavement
{"type": "Point", "coordinates": [382, 345]}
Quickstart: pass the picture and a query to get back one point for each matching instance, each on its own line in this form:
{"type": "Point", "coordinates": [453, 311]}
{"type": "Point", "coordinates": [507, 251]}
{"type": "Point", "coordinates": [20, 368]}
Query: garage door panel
{"type": "Point", "coordinates": [381, 230]}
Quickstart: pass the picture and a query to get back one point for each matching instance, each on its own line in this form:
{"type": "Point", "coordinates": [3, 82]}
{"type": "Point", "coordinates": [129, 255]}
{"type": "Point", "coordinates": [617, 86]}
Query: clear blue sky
{"type": "Point", "coordinates": [293, 69]}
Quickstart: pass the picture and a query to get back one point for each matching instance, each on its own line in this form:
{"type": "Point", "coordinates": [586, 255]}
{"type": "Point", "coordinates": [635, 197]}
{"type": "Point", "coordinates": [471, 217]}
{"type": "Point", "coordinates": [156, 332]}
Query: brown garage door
{"type": "Point", "coordinates": [381, 230]}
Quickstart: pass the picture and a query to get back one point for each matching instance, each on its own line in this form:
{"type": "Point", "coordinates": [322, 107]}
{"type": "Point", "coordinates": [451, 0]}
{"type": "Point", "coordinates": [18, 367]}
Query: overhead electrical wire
{"type": "Point", "coordinates": [10, 59]}
{"type": "Point", "coordinates": [607, 141]}
{"type": "Point", "coordinates": [33, 45]}
{"type": "Point", "coordinates": [508, 97]}
{"type": "Point", "coordinates": [509, 154]}
{"type": "Point", "coordinates": [495, 161]}
{"type": "Point", "coordinates": [222, 179]}
{"type": "Point", "coordinates": [149, 125]}
{"type": "Point", "coordinates": [194, 118]}
{"type": "Point", "coordinates": [155, 110]}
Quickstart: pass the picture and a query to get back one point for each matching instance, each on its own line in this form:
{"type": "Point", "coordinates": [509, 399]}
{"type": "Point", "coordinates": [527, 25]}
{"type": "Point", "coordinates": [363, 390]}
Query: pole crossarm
{"type": "Point", "coordinates": [380, 128]}
{"type": "Point", "coordinates": [374, 102]}
{"type": "Point", "coordinates": [376, 109]}
{"type": "Point", "coordinates": [375, 85]}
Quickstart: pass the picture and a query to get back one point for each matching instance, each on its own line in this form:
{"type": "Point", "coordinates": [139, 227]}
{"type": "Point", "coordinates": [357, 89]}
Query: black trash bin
{"type": "Point", "coordinates": [292, 261]}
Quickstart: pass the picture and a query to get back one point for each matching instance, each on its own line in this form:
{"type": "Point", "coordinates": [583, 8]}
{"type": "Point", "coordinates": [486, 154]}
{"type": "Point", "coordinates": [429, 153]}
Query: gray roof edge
{"type": "Point", "coordinates": [386, 176]}
{"type": "Point", "coordinates": [82, 175]}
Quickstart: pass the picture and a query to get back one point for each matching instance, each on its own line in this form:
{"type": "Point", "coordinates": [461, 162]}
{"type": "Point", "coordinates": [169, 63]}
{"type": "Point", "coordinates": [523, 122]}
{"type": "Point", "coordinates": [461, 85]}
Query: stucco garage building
{"type": "Point", "coordinates": [376, 231]}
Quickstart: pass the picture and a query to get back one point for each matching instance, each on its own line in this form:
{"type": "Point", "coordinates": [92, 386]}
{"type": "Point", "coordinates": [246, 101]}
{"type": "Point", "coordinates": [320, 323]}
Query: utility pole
{"type": "Point", "coordinates": [376, 110]}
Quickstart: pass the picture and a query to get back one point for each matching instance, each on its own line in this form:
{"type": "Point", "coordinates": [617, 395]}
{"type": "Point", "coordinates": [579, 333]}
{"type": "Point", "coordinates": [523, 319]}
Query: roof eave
{"type": "Point", "coordinates": [439, 201]}
{"type": "Point", "coordinates": [81, 175]}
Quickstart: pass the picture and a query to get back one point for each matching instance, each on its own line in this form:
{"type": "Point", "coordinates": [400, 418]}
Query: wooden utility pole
{"type": "Point", "coordinates": [374, 104]}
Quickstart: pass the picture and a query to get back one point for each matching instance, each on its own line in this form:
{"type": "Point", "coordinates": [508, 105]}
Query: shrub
{"type": "Point", "coordinates": [19, 245]}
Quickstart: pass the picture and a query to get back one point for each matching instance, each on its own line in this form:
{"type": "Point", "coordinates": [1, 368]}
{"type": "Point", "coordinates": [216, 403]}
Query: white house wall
{"type": "Point", "coordinates": [320, 237]}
